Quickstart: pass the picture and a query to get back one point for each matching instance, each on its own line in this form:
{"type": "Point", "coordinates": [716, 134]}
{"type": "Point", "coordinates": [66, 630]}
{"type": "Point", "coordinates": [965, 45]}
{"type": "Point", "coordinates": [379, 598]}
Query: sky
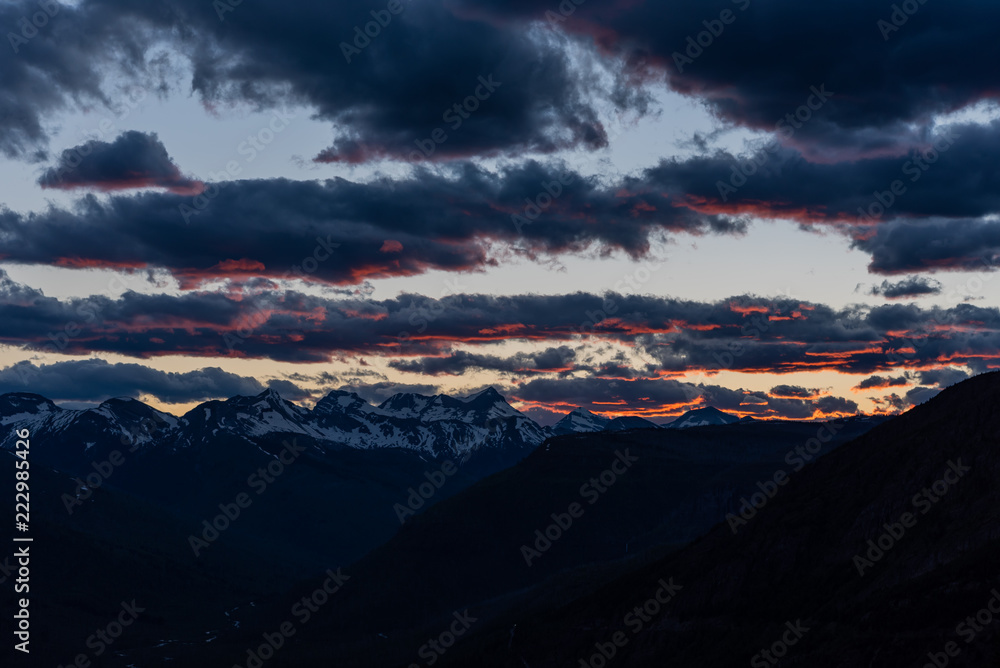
{"type": "Point", "coordinates": [782, 210]}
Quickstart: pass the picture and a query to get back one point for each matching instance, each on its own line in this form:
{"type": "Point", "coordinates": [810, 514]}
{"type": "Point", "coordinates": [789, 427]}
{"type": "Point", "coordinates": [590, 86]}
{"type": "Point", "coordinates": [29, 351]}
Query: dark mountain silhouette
{"type": "Point", "coordinates": [629, 422]}
{"type": "Point", "coordinates": [806, 558]}
{"type": "Point", "coordinates": [496, 540]}
{"type": "Point", "coordinates": [473, 551]}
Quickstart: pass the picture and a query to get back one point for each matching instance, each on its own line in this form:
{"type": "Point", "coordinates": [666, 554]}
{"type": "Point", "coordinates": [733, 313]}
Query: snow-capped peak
{"type": "Point", "coordinates": [702, 417]}
{"type": "Point", "coordinates": [579, 421]}
{"type": "Point", "coordinates": [406, 404]}
{"type": "Point", "coordinates": [437, 425]}
{"type": "Point", "coordinates": [489, 393]}
{"type": "Point", "coordinates": [24, 406]}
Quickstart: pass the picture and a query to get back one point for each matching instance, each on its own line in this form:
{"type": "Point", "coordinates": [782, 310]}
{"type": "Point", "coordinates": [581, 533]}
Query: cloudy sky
{"type": "Point", "coordinates": [781, 209]}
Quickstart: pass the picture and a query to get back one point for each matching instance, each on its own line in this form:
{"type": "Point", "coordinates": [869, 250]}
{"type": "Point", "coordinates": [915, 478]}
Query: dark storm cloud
{"type": "Point", "coordinates": [954, 175]}
{"type": "Point", "coordinates": [133, 160]}
{"type": "Point", "coordinates": [446, 219]}
{"type": "Point", "coordinates": [944, 377]}
{"type": "Point", "coordinates": [383, 93]}
{"type": "Point", "coordinates": [587, 392]}
{"type": "Point", "coordinates": [919, 395]}
{"type": "Point", "coordinates": [343, 232]}
{"type": "Point", "coordinates": [836, 405]}
{"type": "Point", "coordinates": [44, 67]}
{"type": "Point", "coordinates": [555, 359]}
{"type": "Point", "coordinates": [766, 55]}
{"type": "Point", "coordinates": [904, 246]}
{"type": "Point", "coordinates": [387, 91]}
{"type": "Point", "coordinates": [793, 391]}
{"type": "Point", "coordinates": [882, 381]}
{"type": "Point", "coordinates": [98, 380]}
{"type": "Point", "coordinates": [748, 334]}
{"type": "Point", "coordinates": [914, 286]}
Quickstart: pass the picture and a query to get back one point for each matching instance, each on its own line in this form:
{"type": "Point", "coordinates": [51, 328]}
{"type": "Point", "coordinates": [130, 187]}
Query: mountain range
{"type": "Point", "coordinates": [432, 505]}
{"type": "Point", "coordinates": [882, 553]}
{"type": "Point", "coordinates": [439, 426]}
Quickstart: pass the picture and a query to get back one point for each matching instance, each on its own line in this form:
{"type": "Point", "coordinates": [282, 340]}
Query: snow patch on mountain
{"type": "Point", "coordinates": [580, 421]}
{"type": "Point", "coordinates": [702, 417]}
